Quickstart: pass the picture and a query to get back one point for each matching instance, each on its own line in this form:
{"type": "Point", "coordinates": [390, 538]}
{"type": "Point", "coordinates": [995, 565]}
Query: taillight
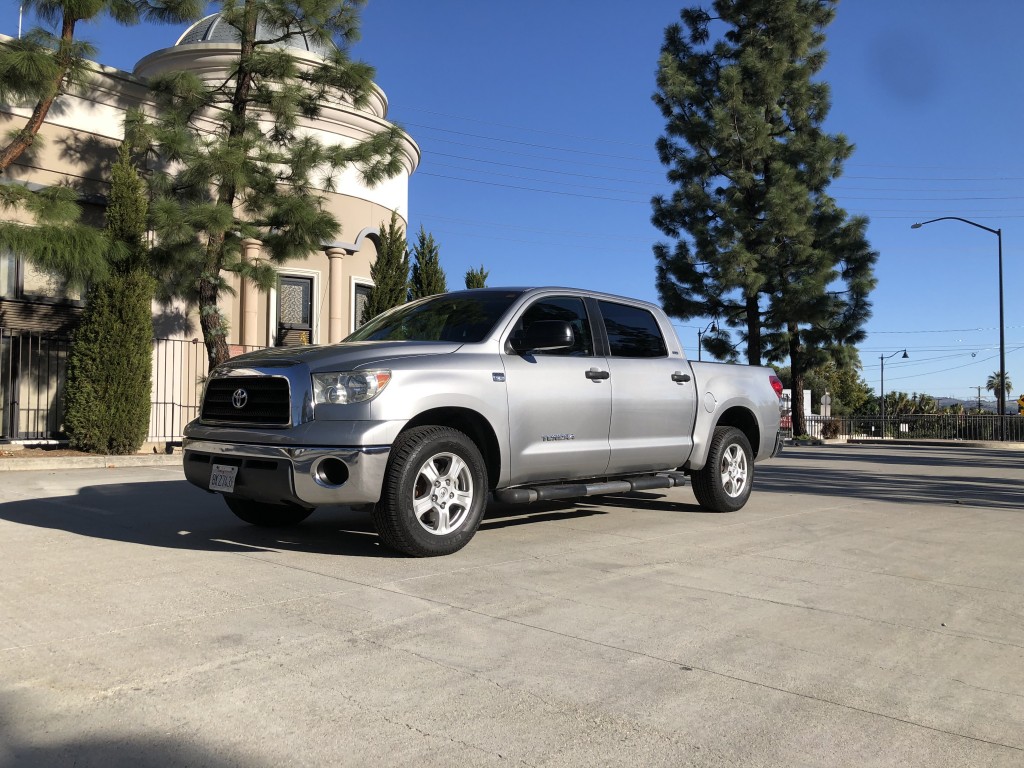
{"type": "Point", "coordinates": [776, 385]}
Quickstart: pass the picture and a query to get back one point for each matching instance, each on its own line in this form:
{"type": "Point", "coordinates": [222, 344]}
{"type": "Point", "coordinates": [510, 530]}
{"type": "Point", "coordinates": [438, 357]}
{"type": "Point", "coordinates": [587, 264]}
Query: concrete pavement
{"type": "Point", "coordinates": [865, 609]}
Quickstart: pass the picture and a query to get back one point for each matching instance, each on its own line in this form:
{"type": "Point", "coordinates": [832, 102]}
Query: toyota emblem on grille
{"type": "Point", "coordinates": [240, 398]}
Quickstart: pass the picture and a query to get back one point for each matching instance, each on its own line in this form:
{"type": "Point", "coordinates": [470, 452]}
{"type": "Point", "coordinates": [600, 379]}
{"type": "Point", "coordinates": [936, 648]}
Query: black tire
{"type": "Point", "coordinates": [434, 493]}
{"type": "Point", "coordinates": [266, 515]}
{"type": "Point", "coordinates": [724, 483]}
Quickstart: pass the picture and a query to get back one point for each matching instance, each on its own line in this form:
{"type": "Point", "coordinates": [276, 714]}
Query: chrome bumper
{"type": "Point", "coordinates": [281, 475]}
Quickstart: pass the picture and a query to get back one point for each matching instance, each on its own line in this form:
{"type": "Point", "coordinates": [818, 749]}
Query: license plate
{"type": "Point", "coordinates": [222, 478]}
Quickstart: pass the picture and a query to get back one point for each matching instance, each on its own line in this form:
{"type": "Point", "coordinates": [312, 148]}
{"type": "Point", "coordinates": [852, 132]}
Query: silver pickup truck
{"type": "Point", "coordinates": [515, 394]}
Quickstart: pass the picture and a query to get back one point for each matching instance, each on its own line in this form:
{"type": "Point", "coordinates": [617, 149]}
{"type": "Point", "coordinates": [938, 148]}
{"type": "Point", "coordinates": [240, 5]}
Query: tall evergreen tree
{"type": "Point", "coordinates": [476, 278]}
{"type": "Point", "coordinates": [237, 162]}
{"type": "Point", "coordinates": [758, 242]}
{"type": "Point", "coordinates": [49, 60]}
{"type": "Point", "coordinates": [390, 272]}
{"type": "Point", "coordinates": [56, 241]}
{"type": "Point", "coordinates": [428, 278]}
{"type": "Point", "coordinates": [107, 396]}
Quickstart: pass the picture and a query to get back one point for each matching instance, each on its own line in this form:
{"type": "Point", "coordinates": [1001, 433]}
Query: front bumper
{"type": "Point", "coordinates": [309, 476]}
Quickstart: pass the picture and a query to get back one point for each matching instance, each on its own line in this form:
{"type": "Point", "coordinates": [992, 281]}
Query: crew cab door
{"type": "Point", "coordinates": [559, 401]}
{"type": "Point", "coordinates": [653, 392]}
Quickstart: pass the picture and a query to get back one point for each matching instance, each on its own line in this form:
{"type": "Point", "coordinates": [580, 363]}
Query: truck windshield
{"type": "Point", "coordinates": [465, 318]}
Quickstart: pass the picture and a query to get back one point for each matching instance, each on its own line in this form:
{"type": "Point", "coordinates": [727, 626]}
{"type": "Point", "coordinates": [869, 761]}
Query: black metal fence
{"type": "Point", "coordinates": [940, 426]}
{"type": "Point", "coordinates": [33, 369]}
{"type": "Point", "coordinates": [33, 372]}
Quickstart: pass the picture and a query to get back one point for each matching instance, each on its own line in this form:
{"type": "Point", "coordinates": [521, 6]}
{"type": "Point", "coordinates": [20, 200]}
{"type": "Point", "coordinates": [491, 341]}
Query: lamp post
{"type": "Point", "coordinates": [882, 359]}
{"type": "Point", "coordinates": [712, 326]}
{"type": "Point", "coordinates": [1001, 404]}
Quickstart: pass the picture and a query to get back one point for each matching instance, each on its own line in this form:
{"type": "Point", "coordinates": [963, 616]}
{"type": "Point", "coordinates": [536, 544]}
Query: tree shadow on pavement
{"type": "Point", "coordinates": [174, 515]}
{"type": "Point", "coordinates": [105, 749]}
{"type": "Point", "coordinates": [973, 477]}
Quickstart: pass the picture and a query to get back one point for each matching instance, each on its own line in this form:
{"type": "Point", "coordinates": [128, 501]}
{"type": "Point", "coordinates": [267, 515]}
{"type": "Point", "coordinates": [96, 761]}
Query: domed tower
{"type": "Point", "coordinates": [320, 298]}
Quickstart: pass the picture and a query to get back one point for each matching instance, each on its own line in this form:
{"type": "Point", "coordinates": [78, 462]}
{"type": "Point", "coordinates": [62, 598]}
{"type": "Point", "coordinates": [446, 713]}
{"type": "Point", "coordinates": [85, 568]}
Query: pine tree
{"type": "Point", "coordinates": [107, 396]}
{"type": "Point", "coordinates": [758, 242]}
{"type": "Point", "coordinates": [428, 278]}
{"type": "Point", "coordinates": [390, 272]}
{"type": "Point", "coordinates": [237, 162]}
{"type": "Point", "coordinates": [57, 241]}
{"type": "Point", "coordinates": [49, 61]}
{"type": "Point", "coordinates": [476, 278]}
{"type": "Point", "coordinates": [35, 69]}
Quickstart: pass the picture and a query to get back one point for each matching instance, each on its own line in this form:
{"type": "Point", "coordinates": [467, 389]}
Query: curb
{"type": "Point", "coordinates": [89, 462]}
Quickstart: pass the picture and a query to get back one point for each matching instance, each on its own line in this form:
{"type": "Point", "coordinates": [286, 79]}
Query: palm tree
{"type": "Point", "coordinates": [999, 388]}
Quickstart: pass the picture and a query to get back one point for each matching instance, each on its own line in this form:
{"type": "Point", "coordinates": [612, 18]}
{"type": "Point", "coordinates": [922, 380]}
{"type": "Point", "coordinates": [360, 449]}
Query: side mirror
{"type": "Point", "coordinates": [543, 336]}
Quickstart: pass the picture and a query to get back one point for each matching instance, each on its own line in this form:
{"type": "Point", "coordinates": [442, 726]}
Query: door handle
{"type": "Point", "coordinates": [680, 377]}
{"type": "Point", "coordinates": [595, 374]}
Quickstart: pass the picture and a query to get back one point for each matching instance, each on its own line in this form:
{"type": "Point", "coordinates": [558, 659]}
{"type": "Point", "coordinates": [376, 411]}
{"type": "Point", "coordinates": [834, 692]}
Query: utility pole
{"type": "Point", "coordinates": [979, 397]}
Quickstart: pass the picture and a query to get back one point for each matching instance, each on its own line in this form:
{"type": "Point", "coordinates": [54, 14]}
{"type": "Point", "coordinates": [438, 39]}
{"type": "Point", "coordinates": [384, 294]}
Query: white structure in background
{"type": "Point", "coordinates": [319, 299]}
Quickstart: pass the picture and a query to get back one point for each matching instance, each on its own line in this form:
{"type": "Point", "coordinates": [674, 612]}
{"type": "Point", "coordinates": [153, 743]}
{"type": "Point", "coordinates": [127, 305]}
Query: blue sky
{"type": "Point", "coordinates": [537, 130]}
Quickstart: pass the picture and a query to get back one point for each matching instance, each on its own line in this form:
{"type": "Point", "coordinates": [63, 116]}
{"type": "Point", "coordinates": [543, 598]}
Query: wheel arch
{"type": "Point", "coordinates": [745, 421]}
{"type": "Point", "coordinates": [471, 424]}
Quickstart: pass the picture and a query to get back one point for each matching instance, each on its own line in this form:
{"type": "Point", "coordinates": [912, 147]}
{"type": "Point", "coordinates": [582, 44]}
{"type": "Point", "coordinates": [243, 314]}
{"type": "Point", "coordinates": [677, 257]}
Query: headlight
{"type": "Point", "coordinates": [348, 386]}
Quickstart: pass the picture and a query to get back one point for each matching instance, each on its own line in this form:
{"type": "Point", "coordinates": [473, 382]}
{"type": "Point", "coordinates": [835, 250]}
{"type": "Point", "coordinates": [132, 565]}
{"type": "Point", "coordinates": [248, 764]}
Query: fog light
{"type": "Point", "coordinates": [331, 473]}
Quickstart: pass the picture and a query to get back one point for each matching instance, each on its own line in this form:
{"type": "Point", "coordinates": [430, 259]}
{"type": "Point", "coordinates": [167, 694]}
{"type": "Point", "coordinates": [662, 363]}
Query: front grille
{"type": "Point", "coordinates": [265, 401]}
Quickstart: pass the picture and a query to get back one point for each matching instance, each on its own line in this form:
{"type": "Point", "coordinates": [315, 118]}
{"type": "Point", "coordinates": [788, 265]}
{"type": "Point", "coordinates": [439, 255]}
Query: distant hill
{"type": "Point", "coordinates": [989, 406]}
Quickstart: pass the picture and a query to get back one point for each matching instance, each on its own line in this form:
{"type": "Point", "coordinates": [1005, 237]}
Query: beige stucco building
{"type": "Point", "coordinates": [318, 299]}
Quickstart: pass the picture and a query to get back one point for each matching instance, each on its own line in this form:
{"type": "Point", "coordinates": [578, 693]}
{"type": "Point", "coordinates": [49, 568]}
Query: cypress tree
{"type": "Point", "coordinates": [476, 278]}
{"type": "Point", "coordinates": [757, 241]}
{"type": "Point", "coordinates": [428, 278]}
{"type": "Point", "coordinates": [107, 396]}
{"type": "Point", "coordinates": [390, 272]}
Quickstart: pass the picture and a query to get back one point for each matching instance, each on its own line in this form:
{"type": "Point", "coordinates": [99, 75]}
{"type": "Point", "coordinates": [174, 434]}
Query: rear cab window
{"type": "Point", "coordinates": [632, 331]}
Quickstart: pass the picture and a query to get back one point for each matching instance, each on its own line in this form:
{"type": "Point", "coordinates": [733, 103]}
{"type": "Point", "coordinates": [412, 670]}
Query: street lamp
{"type": "Point", "coordinates": [712, 326]}
{"type": "Point", "coordinates": [1001, 405]}
{"type": "Point", "coordinates": [882, 359]}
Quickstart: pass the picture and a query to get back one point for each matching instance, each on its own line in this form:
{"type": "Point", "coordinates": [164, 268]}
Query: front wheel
{"type": "Point", "coordinates": [266, 515]}
{"type": "Point", "coordinates": [723, 485]}
{"type": "Point", "coordinates": [434, 493]}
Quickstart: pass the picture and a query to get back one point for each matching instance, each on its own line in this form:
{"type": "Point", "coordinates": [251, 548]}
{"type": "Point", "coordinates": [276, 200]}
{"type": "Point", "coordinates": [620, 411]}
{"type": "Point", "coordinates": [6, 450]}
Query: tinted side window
{"type": "Point", "coordinates": [632, 331]}
{"type": "Point", "coordinates": [570, 309]}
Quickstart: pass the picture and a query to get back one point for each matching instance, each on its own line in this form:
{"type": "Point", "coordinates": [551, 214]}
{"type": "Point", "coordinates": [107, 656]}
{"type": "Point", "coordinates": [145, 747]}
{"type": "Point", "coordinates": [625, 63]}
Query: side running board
{"type": "Point", "coordinates": [576, 490]}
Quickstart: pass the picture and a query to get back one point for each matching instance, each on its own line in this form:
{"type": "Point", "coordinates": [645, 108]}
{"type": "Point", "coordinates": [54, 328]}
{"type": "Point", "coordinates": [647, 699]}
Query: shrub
{"type": "Point", "coordinates": [107, 397]}
{"type": "Point", "coordinates": [830, 429]}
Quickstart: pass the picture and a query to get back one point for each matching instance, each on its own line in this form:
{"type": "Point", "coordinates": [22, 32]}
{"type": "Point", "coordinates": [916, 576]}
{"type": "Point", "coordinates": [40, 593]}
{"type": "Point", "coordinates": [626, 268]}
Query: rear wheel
{"type": "Point", "coordinates": [434, 493]}
{"type": "Point", "coordinates": [266, 515]}
{"type": "Point", "coordinates": [723, 485]}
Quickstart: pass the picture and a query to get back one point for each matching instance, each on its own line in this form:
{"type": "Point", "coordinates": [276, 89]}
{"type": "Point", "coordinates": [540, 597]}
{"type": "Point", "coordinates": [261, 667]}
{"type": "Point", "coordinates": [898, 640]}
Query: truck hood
{"type": "Point", "coordinates": [345, 356]}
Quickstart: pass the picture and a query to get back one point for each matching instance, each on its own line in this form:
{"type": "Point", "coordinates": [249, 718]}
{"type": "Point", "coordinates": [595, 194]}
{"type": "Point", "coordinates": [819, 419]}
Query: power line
{"type": "Point", "coordinates": [526, 128]}
{"type": "Point", "coordinates": [530, 144]}
{"type": "Point", "coordinates": [534, 189]}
